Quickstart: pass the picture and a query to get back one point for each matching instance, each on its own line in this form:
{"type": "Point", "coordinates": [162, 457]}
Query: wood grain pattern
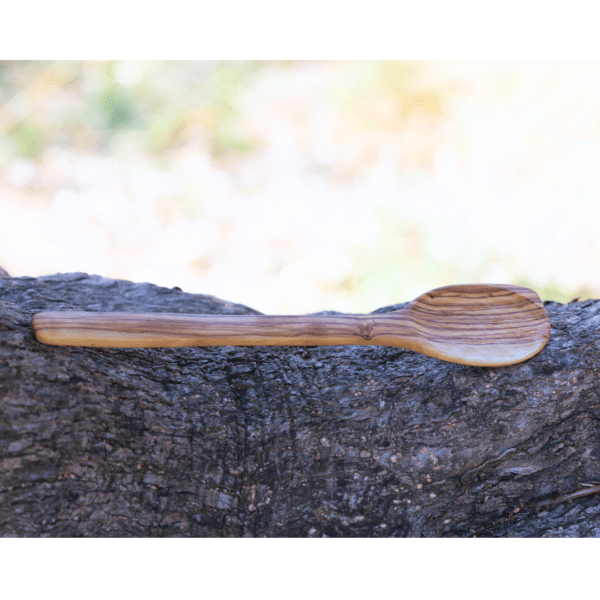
{"type": "Point", "coordinates": [481, 325]}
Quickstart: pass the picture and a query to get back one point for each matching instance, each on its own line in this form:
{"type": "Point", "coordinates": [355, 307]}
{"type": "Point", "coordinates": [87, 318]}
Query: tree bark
{"type": "Point", "coordinates": [353, 441]}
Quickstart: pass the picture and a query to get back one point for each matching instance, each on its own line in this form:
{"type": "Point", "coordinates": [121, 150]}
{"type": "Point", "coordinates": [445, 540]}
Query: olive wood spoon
{"type": "Point", "coordinates": [481, 325]}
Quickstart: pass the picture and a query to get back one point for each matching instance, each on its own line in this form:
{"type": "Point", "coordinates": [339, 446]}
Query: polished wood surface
{"type": "Point", "coordinates": [480, 325]}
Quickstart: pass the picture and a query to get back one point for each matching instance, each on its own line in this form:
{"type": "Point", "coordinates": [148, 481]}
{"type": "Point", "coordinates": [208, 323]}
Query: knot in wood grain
{"type": "Point", "coordinates": [365, 330]}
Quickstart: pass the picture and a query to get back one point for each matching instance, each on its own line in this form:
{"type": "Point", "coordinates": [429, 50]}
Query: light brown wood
{"type": "Point", "coordinates": [479, 325]}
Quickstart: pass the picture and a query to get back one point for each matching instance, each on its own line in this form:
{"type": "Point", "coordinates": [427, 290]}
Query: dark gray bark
{"type": "Point", "coordinates": [330, 441]}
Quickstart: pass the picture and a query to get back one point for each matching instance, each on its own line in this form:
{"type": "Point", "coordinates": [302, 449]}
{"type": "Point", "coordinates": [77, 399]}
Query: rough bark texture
{"type": "Point", "coordinates": [331, 441]}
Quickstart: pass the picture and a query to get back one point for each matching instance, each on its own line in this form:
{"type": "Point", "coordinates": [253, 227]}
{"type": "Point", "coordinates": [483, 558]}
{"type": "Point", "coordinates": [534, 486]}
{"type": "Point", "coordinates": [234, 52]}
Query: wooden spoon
{"type": "Point", "coordinates": [480, 325]}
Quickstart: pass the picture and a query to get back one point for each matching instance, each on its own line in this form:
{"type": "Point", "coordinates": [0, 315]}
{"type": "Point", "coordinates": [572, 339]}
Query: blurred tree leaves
{"type": "Point", "coordinates": [110, 106]}
{"type": "Point", "coordinates": [385, 94]}
{"type": "Point", "coordinates": [172, 102]}
{"type": "Point", "coordinates": [26, 138]}
{"type": "Point", "coordinates": [166, 103]}
{"type": "Point", "coordinates": [117, 108]}
{"type": "Point", "coordinates": [221, 88]}
{"type": "Point", "coordinates": [166, 130]}
{"type": "Point", "coordinates": [27, 88]}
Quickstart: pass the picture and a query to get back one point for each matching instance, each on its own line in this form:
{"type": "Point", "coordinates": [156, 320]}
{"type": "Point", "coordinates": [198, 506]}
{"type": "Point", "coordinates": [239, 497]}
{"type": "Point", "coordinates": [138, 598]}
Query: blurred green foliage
{"type": "Point", "coordinates": [221, 87]}
{"type": "Point", "coordinates": [26, 138]}
{"type": "Point", "coordinates": [116, 107]}
{"type": "Point", "coordinates": [166, 130]}
{"type": "Point", "coordinates": [168, 103]}
{"type": "Point", "coordinates": [172, 102]}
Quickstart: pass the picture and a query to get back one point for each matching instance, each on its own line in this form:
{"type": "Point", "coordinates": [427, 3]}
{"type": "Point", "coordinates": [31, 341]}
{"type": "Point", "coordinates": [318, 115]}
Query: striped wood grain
{"type": "Point", "coordinates": [484, 325]}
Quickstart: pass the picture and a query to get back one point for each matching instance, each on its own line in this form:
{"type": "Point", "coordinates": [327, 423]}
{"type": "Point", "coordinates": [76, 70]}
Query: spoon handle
{"type": "Point", "coordinates": [135, 330]}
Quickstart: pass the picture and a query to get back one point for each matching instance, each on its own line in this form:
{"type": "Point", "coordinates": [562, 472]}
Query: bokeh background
{"type": "Point", "coordinates": [295, 187]}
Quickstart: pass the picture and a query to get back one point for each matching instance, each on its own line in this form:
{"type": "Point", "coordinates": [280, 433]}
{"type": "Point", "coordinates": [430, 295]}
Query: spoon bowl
{"type": "Point", "coordinates": [481, 325]}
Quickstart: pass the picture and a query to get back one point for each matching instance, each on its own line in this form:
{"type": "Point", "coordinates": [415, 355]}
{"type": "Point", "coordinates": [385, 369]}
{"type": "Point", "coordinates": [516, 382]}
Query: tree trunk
{"type": "Point", "coordinates": [288, 441]}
